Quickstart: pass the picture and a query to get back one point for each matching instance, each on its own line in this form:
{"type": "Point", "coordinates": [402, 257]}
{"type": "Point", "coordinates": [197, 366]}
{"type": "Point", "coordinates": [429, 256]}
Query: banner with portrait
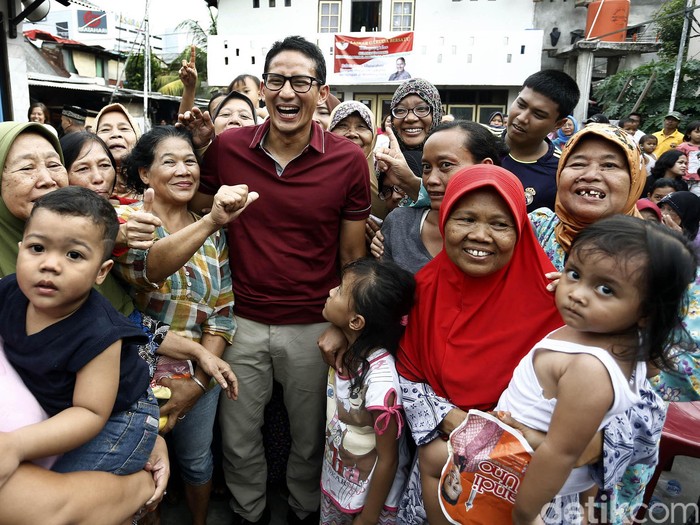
{"type": "Point", "coordinates": [374, 58]}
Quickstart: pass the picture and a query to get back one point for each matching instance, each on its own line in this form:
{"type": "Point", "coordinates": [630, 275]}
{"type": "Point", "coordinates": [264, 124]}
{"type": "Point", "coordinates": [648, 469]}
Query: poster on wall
{"type": "Point", "coordinates": [374, 59]}
{"type": "Point", "coordinates": [92, 22]}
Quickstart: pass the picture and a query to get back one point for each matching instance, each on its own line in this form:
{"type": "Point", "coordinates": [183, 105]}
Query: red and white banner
{"type": "Point", "coordinates": [374, 59]}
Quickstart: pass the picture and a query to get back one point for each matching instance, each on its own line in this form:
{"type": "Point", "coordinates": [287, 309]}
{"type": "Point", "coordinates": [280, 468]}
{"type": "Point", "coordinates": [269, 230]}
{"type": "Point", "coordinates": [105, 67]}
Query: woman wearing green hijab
{"type": "Point", "coordinates": [19, 190]}
{"type": "Point", "coordinates": [29, 168]}
{"type": "Point", "coordinates": [30, 162]}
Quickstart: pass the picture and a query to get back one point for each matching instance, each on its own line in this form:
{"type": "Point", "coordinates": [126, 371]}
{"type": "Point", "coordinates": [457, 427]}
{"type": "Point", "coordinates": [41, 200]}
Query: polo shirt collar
{"type": "Point", "coordinates": [317, 142]}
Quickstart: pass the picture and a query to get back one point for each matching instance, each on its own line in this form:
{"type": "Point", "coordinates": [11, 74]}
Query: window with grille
{"type": "Point", "coordinates": [402, 15]}
{"type": "Point", "coordinates": [329, 16]}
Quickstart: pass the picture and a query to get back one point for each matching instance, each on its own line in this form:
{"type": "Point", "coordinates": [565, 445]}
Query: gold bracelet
{"type": "Point", "coordinates": [201, 385]}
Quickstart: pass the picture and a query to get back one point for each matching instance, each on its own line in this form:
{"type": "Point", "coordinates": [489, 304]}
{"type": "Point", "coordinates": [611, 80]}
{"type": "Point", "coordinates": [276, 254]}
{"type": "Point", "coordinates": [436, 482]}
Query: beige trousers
{"type": "Point", "coordinates": [290, 355]}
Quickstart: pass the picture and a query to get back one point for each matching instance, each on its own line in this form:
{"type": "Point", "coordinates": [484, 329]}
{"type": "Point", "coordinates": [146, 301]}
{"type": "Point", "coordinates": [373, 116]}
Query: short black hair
{"type": "Point", "coordinates": [666, 183]}
{"type": "Point", "coordinates": [77, 201]}
{"type": "Point", "coordinates": [692, 126]}
{"type": "Point", "coordinates": [635, 114]}
{"type": "Point", "coordinates": [144, 152]}
{"type": "Point", "coordinates": [479, 141]}
{"type": "Point", "coordinates": [243, 78]}
{"type": "Point", "coordinates": [648, 137]}
{"type": "Point", "coordinates": [303, 46]}
{"type": "Point", "coordinates": [556, 86]}
{"type": "Point", "coordinates": [624, 121]}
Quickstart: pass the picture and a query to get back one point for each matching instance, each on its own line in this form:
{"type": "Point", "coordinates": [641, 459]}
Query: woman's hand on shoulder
{"type": "Point", "coordinates": [377, 246]}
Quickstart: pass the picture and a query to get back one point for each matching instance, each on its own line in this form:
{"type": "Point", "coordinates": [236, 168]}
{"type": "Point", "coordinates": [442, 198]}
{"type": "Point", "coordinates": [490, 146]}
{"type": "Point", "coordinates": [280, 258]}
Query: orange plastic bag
{"type": "Point", "coordinates": [487, 461]}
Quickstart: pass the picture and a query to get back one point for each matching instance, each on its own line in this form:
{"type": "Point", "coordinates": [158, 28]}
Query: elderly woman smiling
{"type": "Point", "coordinates": [353, 120]}
{"type": "Point", "coordinates": [455, 354]}
{"type": "Point", "coordinates": [600, 175]}
{"type": "Point", "coordinates": [184, 280]}
{"type": "Point", "coordinates": [30, 167]}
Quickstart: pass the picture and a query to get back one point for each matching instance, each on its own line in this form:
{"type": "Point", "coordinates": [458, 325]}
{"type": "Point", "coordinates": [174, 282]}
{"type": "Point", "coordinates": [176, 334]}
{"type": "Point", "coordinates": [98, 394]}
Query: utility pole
{"type": "Point", "coordinates": [146, 70]}
{"type": "Point", "coordinates": [681, 52]}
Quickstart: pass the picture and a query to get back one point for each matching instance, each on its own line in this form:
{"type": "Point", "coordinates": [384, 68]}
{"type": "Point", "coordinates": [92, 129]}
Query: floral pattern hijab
{"type": "Point", "coordinates": [347, 108]}
{"type": "Point", "coordinates": [427, 92]}
{"type": "Point", "coordinates": [569, 225]}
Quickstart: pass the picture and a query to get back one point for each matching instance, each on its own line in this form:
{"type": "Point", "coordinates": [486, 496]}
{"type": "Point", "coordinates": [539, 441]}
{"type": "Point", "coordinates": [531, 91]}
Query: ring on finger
{"type": "Point", "coordinates": [180, 418]}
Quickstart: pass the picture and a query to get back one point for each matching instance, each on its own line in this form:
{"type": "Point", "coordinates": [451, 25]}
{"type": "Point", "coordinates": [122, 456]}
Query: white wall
{"type": "Point", "coordinates": [473, 58]}
{"type": "Point", "coordinates": [460, 43]}
{"type": "Point", "coordinates": [18, 75]}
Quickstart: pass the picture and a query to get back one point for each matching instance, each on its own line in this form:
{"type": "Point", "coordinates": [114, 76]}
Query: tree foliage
{"type": "Point", "coordinates": [619, 93]}
{"type": "Point", "coordinates": [656, 102]}
{"type": "Point", "coordinates": [133, 72]}
{"type": "Point", "coordinates": [669, 23]}
{"type": "Point", "coordinates": [169, 82]}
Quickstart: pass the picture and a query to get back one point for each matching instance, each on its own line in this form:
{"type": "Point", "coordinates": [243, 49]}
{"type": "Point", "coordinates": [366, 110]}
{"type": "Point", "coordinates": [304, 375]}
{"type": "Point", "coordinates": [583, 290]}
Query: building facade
{"type": "Point", "coordinates": [477, 59]}
{"type": "Point", "coordinates": [477, 52]}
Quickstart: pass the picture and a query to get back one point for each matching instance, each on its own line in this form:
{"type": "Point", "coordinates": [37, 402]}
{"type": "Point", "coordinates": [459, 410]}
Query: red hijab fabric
{"type": "Point", "coordinates": [465, 335]}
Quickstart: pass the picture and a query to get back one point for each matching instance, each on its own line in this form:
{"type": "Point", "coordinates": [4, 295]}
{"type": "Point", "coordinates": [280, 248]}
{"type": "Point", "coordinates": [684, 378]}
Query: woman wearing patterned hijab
{"type": "Point", "coordinates": [416, 109]}
{"type": "Point", "coordinates": [600, 175]}
{"type": "Point", "coordinates": [354, 121]}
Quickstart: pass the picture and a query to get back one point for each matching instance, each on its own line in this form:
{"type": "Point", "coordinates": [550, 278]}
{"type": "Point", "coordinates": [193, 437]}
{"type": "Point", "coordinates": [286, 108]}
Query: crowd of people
{"type": "Point", "coordinates": [333, 294]}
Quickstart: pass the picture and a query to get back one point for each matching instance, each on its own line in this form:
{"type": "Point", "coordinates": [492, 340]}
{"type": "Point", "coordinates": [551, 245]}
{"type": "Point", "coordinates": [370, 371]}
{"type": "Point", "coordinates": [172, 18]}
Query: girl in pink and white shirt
{"type": "Point", "coordinates": [366, 458]}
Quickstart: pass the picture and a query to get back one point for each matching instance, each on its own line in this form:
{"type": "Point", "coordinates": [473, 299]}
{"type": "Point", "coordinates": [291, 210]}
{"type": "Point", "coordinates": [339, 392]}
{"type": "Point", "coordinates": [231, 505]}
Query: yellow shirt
{"type": "Point", "coordinates": [667, 142]}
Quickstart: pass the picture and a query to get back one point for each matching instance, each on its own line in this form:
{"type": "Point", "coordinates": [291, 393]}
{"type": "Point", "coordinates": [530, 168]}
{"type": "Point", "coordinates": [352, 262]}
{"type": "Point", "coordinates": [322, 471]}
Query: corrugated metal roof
{"type": "Point", "coordinates": [66, 83]}
{"type": "Point", "coordinates": [88, 84]}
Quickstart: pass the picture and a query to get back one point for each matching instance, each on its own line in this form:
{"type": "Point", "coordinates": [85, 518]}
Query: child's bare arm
{"type": "Point", "coordinates": [584, 394]}
{"type": "Point", "coordinates": [535, 438]}
{"type": "Point", "coordinates": [93, 401]}
{"type": "Point", "coordinates": [384, 471]}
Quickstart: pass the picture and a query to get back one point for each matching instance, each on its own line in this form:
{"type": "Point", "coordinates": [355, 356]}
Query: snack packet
{"type": "Point", "coordinates": [486, 464]}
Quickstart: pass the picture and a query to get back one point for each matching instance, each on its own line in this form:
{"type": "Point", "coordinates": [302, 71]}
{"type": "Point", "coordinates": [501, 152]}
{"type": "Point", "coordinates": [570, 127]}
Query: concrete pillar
{"type": "Point", "coordinates": [584, 72]}
{"type": "Point", "coordinates": [633, 60]}
{"type": "Point", "coordinates": [570, 66]}
{"type": "Point", "coordinates": [613, 66]}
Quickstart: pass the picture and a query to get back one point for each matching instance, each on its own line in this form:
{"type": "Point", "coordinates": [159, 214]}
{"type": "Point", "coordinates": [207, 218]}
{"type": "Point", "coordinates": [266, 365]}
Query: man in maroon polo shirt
{"type": "Point", "coordinates": [286, 252]}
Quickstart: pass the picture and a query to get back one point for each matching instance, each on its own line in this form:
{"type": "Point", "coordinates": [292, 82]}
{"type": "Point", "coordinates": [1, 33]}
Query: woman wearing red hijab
{"type": "Point", "coordinates": [481, 304]}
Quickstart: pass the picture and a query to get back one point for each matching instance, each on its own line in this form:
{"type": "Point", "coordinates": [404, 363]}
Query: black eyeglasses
{"type": "Point", "coordinates": [387, 191]}
{"type": "Point", "coordinates": [299, 83]}
{"type": "Point", "coordinates": [418, 111]}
